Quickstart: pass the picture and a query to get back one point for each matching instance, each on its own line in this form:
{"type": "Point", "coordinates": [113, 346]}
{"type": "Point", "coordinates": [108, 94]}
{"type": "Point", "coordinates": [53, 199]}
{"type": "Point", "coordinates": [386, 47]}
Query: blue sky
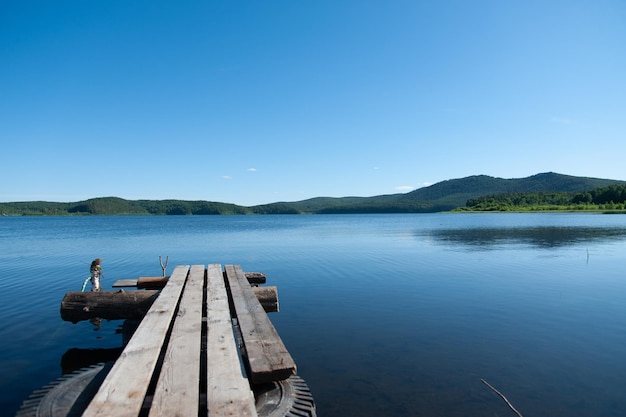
{"type": "Point", "coordinates": [252, 102]}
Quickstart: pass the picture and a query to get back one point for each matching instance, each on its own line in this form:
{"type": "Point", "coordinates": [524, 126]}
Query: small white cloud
{"type": "Point", "coordinates": [405, 188]}
{"type": "Point", "coordinates": [251, 169]}
{"type": "Point", "coordinates": [561, 120]}
{"type": "Point", "coordinates": [226, 177]}
{"type": "Point", "coordinates": [376, 168]}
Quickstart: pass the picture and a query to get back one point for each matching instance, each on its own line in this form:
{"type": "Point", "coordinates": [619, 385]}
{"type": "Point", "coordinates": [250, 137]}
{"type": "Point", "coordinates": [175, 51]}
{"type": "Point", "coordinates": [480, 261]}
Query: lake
{"type": "Point", "coordinates": [385, 315]}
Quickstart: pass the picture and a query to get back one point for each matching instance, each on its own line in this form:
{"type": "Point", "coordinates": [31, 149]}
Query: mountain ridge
{"type": "Point", "coordinates": [442, 196]}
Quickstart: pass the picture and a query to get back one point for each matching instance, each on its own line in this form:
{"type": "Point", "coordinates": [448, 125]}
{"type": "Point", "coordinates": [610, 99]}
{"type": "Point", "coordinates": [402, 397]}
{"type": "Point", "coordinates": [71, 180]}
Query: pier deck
{"type": "Point", "coordinates": [186, 358]}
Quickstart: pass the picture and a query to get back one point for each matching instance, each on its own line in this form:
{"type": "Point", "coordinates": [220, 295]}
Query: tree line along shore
{"type": "Point", "coordinates": [606, 199]}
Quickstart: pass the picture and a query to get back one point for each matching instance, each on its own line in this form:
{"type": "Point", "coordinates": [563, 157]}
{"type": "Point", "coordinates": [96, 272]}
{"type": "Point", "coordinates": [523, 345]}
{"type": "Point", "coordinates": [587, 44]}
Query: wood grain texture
{"type": "Point", "coordinates": [178, 389]}
{"type": "Point", "coordinates": [268, 357]}
{"type": "Point", "coordinates": [228, 389]}
{"type": "Point", "coordinates": [123, 391]}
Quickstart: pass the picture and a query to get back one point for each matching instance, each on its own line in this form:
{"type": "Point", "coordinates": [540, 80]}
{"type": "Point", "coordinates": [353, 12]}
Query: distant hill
{"type": "Point", "coordinates": [113, 206]}
{"type": "Point", "coordinates": [448, 195]}
{"type": "Point", "coordinates": [443, 196]}
{"type": "Point", "coordinates": [455, 193]}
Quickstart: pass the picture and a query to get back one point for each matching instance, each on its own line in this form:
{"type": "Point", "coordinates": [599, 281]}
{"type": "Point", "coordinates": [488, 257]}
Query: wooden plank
{"type": "Point", "coordinates": [123, 390]}
{"type": "Point", "coordinates": [125, 283]}
{"type": "Point", "coordinates": [178, 389]}
{"type": "Point", "coordinates": [228, 389]}
{"type": "Point", "coordinates": [267, 355]}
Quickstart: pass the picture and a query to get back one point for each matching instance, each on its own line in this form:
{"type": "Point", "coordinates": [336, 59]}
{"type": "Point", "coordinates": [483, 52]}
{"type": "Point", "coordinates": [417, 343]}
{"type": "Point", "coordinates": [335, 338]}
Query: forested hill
{"type": "Point", "coordinates": [455, 193]}
{"type": "Point", "coordinates": [443, 196]}
{"type": "Point", "coordinates": [451, 194]}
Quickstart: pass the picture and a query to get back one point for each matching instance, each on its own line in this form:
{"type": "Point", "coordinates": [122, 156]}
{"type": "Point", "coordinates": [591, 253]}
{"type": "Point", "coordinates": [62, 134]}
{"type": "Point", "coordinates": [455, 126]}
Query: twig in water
{"type": "Point", "coordinates": [502, 396]}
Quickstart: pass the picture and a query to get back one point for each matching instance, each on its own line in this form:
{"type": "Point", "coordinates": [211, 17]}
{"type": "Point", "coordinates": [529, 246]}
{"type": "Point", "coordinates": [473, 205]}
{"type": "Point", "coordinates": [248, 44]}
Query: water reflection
{"type": "Point", "coordinates": [539, 236]}
{"type": "Point", "coordinates": [76, 358]}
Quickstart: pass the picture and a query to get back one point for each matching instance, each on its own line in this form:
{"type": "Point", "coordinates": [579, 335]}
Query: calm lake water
{"type": "Point", "coordinates": [385, 315]}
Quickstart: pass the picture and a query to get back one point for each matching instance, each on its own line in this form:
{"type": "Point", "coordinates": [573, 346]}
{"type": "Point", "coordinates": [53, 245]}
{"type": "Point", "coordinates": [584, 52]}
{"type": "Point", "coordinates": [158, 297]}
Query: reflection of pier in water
{"type": "Point", "coordinates": [76, 358]}
{"type": "Point", "coordinates": [539, 236]}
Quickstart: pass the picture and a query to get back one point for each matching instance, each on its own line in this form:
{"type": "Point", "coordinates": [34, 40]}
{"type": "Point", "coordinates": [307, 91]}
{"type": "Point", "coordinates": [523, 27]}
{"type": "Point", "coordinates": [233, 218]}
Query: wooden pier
{"type": "Point", "coordinates": [205, 347]}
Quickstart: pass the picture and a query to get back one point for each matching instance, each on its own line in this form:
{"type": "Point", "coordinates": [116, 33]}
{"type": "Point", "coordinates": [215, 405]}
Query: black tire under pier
{"type": "Point", "coordinates": [70, 395]}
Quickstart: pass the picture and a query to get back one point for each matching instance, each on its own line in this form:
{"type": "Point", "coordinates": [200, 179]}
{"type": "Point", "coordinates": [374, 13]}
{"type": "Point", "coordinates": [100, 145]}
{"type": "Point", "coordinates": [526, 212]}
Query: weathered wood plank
{"type": "Point", "coordinates": [123, 391]}
{"type": "Point", "coordinates": [177, 390]}
{"type": "Point", "coordinates": [228, 389]}
{"type": "Point", "coordinates": [267, 355]}
{"type": "Point", "coordinates": [125, 283]}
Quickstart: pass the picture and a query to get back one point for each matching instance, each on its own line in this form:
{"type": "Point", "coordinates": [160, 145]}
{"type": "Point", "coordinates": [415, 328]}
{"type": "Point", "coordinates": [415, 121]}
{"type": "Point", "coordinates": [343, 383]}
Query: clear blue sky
{"type": "Point", "coordinates": [252, 102]}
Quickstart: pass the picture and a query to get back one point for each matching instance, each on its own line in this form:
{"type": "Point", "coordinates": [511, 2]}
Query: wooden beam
{"type": "Point", "coordinates": [79, 306]}
{"type": "Point", "coordinates": [151, 283]}
{"type": "Point", "coordinates": [155, 283]}
{"type": "Point", "coordinates": [268, 297]}
{"type": "Point", "coordinates": [118, 305]}
{"type": "Point", "coordinates": [123, 390]}
{"type": "Point", "coordinates": [177, 390]}
{"type": "Point", "coordinates": [228, 389]}
{"type": "Point", "coordinates": [255, 277]}
{"type": "Point", "coordinates": [268, 357]}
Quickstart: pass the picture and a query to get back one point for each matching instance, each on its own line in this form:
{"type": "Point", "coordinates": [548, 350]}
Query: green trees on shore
{"type": "Point", "coordinates": [612, 197]}
{"type": "Point", "coordinates": [613, 194]}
